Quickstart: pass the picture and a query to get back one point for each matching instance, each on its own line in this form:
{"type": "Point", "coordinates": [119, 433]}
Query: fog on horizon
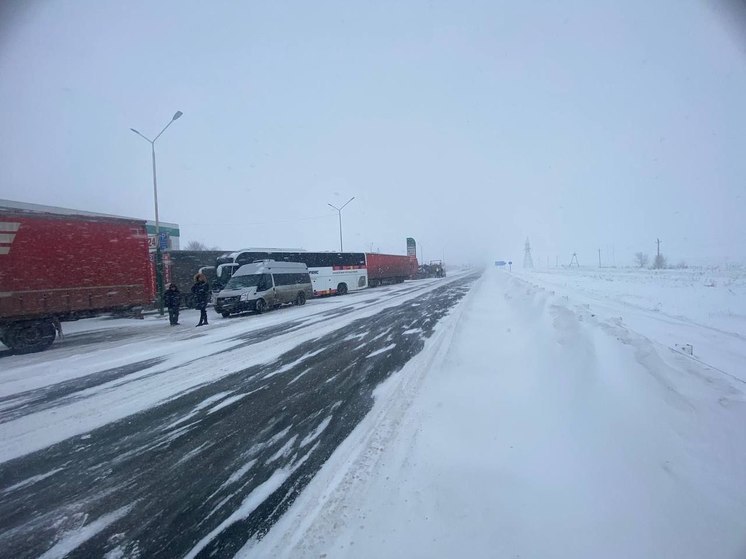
{"type": "Point", "coordinates": [470, 127]}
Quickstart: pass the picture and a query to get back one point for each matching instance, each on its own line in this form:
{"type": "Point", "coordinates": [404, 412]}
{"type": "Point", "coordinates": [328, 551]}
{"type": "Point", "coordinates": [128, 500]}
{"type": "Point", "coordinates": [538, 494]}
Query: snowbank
{"type": "Point", "coordinates": [538, 428]}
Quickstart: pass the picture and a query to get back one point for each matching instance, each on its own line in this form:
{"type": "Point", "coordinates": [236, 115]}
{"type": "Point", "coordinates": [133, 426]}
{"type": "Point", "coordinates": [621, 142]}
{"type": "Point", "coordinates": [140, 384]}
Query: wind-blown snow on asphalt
{"type": "Point", "coordinates": [160, 442]}
{"type": "Point", "coordinates": [539, 424]}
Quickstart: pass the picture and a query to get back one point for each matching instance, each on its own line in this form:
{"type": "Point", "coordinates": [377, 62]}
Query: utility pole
{"type": "Point", "coordinates": [599, 258]}
{"type": "Point", "coordinates": [574, 259]}
{"type": "Point", "coordinates": [659, 246]}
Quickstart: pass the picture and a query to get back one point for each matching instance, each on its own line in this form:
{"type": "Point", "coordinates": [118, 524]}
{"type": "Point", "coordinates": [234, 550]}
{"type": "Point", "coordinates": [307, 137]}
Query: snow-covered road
{"type": "Point", "coordinates": [140, 440]}
{"type": "Point", "coordinates": [537, 424]}
{"type": "Point", "coordinates": [541, 414]}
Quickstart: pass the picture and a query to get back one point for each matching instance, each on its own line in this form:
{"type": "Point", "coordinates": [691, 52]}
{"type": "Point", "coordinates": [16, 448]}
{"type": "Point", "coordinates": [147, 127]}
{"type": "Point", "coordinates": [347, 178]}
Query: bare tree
{"type": "Point", "coordinates": [641, 259]}
{"type": "Point", "coordinates": [196, 245]}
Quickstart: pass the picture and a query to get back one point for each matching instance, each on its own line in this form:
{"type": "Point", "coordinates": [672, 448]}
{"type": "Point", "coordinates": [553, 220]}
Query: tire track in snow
{"type": "Point", "coordinates": [31, 401]}
{"type": "Point", "coordinates": [19, 404]}
{"type": "Point", "coordinates": [208, 470]}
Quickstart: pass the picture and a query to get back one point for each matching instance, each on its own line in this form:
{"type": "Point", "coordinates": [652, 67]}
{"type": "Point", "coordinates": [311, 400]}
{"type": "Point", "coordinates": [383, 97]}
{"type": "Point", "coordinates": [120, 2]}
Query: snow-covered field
{"type": "Point", "coordinates": [701, 307]}
{"type": "Point", "coordinates": [551, 415]}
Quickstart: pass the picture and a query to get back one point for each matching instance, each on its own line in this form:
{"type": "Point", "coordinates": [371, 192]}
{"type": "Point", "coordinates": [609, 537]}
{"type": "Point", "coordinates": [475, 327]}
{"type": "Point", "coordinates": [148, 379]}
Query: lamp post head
{"type": "Point", "coordinates": [177, 115]}
{"type": "Point", "coordinates": [141, 135]}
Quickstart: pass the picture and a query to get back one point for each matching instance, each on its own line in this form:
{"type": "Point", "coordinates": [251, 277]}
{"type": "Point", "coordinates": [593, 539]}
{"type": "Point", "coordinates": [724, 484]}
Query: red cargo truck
{"type": "Point", "coordinates": [56, 265]}
{"type": "Point", "coordinates": [389, 268]}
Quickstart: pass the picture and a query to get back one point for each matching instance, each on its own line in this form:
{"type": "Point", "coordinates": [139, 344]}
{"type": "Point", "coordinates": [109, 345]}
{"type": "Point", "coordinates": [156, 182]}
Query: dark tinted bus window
{"type": "Point", "coordinates": [290, 257]}
{"type": "Point", "coordinates": [330, 259]}
{"type": "Point", "coordinates": [310, 259]}
{"type": "Point", "coordinates": [353, 259]}
{"type": "Point", "coordinates": [249, 257]}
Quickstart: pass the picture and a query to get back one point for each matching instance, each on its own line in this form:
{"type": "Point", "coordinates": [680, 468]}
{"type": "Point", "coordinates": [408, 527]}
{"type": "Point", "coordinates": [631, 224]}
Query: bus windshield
{"type": "Point", "coordinates": [225, 271]}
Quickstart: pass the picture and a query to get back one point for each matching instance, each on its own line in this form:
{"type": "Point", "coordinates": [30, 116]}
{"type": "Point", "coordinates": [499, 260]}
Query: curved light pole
{"type": "Point", "coordinates": [158, 254]}
{"type": "Point", "coordinates": [339, 211]}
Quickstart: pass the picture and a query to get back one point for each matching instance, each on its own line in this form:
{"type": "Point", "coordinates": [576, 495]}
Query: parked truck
{"type": "Point", "coordinates": [436, 269]}
{"type": "Point", "coordinates": [58, 265]}
{"type": "Point", "coordinates": [389, 268]}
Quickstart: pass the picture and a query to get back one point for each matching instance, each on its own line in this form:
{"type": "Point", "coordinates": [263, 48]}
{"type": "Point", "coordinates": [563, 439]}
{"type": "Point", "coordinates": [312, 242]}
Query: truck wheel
{"type": "Point", "coordinates": [342, 289]}
{"type": "Point", "coordinates": [300, 299]}
{"type": "Point", "coordinates": [261, 306]}
{"type": "Point", "coordinates": [225, 314]}
{"type": "Point", "coordinates": [30, 336]}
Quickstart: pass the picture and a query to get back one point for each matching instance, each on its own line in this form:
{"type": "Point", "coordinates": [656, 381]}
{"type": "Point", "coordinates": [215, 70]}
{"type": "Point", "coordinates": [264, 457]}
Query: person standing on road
{"type": "Point", "coordinates": [172, 300]}
{"type": "Point", "coordinates": [201, 292]}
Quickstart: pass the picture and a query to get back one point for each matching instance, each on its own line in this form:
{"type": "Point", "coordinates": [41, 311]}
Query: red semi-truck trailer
{"type": "Point", "coordinates": [56, 265]}
{"type": "Point", "coordinates": [389, 268]}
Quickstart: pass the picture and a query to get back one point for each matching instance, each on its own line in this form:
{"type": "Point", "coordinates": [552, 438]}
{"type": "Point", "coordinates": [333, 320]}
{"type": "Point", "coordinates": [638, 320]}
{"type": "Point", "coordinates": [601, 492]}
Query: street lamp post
{"type": "Point", "coordinates": [158, 253]}
{"type": "Point", "coordinates": [339, 211]}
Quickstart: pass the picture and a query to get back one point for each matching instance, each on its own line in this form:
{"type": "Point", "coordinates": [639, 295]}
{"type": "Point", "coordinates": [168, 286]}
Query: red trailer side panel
{"type": "Point", "coordinates": [62, 264]}
{"type": "Point", "coordinates": [390, 267]}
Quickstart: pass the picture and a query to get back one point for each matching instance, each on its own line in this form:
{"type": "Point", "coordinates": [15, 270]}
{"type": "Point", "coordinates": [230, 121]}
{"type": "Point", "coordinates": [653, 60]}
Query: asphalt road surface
{"type": "Point", "coordinates": [203, 472]}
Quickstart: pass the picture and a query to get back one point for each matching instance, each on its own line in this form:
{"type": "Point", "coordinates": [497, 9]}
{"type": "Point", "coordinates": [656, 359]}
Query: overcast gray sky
{"type": "Point", "coordinates": [467, 125]}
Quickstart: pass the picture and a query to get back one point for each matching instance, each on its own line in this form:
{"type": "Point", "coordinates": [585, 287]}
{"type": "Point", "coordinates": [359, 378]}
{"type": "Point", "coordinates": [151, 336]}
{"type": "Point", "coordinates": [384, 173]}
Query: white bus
{"type": "Point", "coordinates": [332, 273]}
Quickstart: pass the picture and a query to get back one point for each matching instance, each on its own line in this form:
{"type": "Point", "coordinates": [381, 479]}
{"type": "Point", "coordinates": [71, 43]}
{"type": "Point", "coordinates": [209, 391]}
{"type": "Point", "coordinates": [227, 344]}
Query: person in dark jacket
{"type": "Point", "coordinates": [172, 300]}
{"type": "Point", "coordinates": [201, 292]}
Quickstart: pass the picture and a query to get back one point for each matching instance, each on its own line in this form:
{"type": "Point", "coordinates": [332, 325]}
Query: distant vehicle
{"type": "Point", "coordinates": [390, 268]}
{"type": "Point", "coordinates": [435, 269]}
{"type": "Point", "coordinates": [58, 265]}
{"type": "Point", "coordinates": [264, 285]}
{"type": "Point", "coordinates": [332, 273]}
